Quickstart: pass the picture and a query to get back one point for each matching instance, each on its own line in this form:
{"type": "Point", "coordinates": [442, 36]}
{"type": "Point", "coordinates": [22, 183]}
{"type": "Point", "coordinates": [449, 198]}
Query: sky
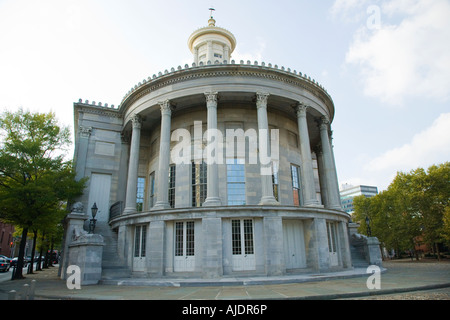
{"type": "Point", "coordinates": [385, 63]}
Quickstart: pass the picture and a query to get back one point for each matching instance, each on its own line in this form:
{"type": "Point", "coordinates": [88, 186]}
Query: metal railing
{"type": "Point", "coordinates": [115, 210]}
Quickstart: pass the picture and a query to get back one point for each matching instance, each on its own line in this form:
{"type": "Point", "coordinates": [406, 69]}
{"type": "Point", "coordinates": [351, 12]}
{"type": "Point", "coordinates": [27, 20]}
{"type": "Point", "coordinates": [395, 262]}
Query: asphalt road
{"type": "Point", "coordinates": [7, 275]}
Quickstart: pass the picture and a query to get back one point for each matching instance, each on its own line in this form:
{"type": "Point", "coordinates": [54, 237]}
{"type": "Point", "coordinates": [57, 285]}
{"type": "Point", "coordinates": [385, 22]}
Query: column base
{"type": "Point", "coordinates": [160, 206]}
{"type": "Point", "coordinates": [129, 210]}
{"type": "Point", "coordinates": [268, 201]}
{"type": "Point", "coordinates": [313, 204]}
{"type": "Point", "coordinates": [212, 202]}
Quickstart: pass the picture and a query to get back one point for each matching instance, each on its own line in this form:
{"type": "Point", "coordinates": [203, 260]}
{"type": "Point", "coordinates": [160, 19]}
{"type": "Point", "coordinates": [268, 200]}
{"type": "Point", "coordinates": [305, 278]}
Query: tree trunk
{"type": "Point", "coordinates": [50, 263]}
{"type": "Point", "coordinates": [33, 252]}
{"type": "Point", "coordinates": [18, 274]}
{"type": "Point", "coordinates": [39, 262]}
{"type": "Point", "coordinates": [438, 253]}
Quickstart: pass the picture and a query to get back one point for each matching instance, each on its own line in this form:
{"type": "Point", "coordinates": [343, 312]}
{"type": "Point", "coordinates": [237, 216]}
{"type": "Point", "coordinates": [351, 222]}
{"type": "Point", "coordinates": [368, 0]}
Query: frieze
{"type": "Point", "coordinates": [299, 80]}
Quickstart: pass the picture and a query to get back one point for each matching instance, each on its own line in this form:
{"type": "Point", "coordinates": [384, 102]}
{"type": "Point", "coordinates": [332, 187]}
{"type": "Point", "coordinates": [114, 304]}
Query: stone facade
{"type": "Point", "coordinates": [232, 216]}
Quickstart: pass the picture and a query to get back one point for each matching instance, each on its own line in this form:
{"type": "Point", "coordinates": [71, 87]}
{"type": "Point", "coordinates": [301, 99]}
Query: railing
{"type": "Point", "coordinates": [115, 210]}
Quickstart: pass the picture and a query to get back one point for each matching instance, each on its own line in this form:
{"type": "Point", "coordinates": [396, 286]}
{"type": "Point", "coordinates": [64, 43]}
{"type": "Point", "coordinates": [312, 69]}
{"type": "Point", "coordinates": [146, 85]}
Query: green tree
{"type": "Point", "coordinates": [34, 177]}
{"type": "Point", "coordinates": [414, 206]}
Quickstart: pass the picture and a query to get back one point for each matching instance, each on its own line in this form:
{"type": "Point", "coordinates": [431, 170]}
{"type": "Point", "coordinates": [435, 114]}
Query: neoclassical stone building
{"type": "Point", "coordinates": [220, 210]}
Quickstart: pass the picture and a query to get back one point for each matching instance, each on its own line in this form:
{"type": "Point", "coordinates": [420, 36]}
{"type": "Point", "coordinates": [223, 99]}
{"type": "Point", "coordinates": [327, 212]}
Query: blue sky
{"type": "Point", "coordinates": [386, 64]}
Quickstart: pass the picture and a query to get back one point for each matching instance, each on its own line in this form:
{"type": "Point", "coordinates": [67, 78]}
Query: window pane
{"type": "Point", "coordinates": [248, 236]}
{"type": "Point", "coordinates": [137, 240]}
{"type": "Point", "coordinates": [143, 237]}
{"type": "Point", "coordinates": [172, 170]}
{"type": "Point", "coordinates": [178, 239]}
{"type": "Point", "coordinates": [140, 194]}
{"type": "Point", "coordinates": [236, 236]}
{"type": "Point", "coordinates": [190, 238]}
{"type": "Point", "coordinates": [199, 186]}
{"type": "Point", "coordinates": [295, 185]}
{"type": "Point", "coordinates": [236, 181]}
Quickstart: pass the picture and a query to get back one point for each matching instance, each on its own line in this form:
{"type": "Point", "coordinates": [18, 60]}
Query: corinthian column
{"type": "Point", "coordinates": [212, 191]}
{"type": "Point", "coordinates": [307, 176]}
{"type": "Point", "coordinates": [162, 198]}
{"type": "Point", "coordinates": [329, 169]}
{"type": "Point", "coordinates": [265, 162]}
{"type": "Point", "coordinates": [133, 165]}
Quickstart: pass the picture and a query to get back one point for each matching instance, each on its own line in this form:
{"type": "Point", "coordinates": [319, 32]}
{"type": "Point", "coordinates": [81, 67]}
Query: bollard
{"type": "Point", "coordinates": [32, 288]}
{"type": "Point", "coordinates": [13, 272]}
{"type": "Point", "coordinates": [12, 295]}
{"type": "Point", "coordinates": [26, 289]}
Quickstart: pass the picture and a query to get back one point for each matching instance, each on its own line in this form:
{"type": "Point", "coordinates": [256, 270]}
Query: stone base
{"type": "Point", "coordinates": [86, 252]}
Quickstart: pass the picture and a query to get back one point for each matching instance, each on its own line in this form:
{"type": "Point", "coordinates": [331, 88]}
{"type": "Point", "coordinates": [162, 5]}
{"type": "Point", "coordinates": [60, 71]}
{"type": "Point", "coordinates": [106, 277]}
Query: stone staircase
{"type": "Point", "coordinates": [112, 266]}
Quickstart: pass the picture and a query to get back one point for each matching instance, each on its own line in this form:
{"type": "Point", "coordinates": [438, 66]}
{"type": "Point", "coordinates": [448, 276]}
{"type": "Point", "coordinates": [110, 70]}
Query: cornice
{"type": "Point", "coordinates": [98, 109]}
{"type": "Point", "coordinates": [226, 70]}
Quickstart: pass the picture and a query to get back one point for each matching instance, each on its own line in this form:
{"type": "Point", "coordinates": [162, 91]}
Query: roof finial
{"type": "Point", "coordinates": [211, 21]}
{"type": "Point", "coordinates": [210, 14]}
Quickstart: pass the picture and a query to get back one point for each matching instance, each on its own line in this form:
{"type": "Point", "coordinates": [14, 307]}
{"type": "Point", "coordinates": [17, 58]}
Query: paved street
{"type": "Point", "coordinates": [426, 279]}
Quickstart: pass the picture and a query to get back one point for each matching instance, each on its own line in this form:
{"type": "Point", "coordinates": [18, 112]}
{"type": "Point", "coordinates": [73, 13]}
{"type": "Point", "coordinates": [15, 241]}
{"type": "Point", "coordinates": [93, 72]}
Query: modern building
{"type": "Point", "coordinates": [349, 192]}
{"type": "Point", "coordinates": [219, 168]}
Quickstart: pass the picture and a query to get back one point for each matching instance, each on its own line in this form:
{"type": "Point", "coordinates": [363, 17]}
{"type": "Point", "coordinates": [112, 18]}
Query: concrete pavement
{"type": "Point", "coordinates": [400, 276]}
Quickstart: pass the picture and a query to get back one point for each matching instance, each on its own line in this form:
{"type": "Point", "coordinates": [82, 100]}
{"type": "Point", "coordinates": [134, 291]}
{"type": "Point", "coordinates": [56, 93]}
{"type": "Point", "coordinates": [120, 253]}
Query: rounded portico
{"type": "Point", "coordinates": [227, 168]}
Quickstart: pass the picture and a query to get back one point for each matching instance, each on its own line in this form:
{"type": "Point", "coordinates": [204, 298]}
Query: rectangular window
{"type": "Point", "coordinates": [172, 172]}
{"type": "Point", "coordinates": [275, 180]}
{"type": "Point", "coordinates": [140, 194]}
{"type": "Point", "coordinates": [242, 236]}
{"type": "Point", "coordinates": [331, 233]}
{"type": "Point", "coordinates": [236, 236]}
{"type": "Point", "coordinates": [190, 237]}
{"type": "Point", "coordinates": [296, 192]}
{"type": "Point", "coordinates": [236, 181]}
{"type": "Point", "coordinates": [179, 239]}
{"type": "Point", "coordinates": [139, 241]}
{"type": "Point", "coordinates": [199, 183]}
{"type": "Point", "coordinates": [152, 190]}
{"type": "Point", "coordinates": [248, 236]}
{"type": "Point", "coordinates": [184, 239]}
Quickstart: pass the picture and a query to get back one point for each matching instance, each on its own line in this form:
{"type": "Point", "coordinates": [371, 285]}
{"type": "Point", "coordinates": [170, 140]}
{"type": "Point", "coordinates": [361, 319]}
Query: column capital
{"type": "Point", "coordinates": [85, 132]}
{"type": "Point", "coordinates": [261, 99]}
{"type": "Point", "coordinates": [300, 109]}
{"type": "Point", "coordinates": [211, 99]}
{"type": "Point", "coordinates": [323, 123]}
{"type": "Point", "coordinates": [166, 107]}
{"type": "Point", "coordinates": [136, 121]}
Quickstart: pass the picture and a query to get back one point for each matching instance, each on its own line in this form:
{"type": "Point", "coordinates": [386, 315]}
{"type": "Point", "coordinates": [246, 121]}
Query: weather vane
{"type": "Point", "coordinates": [211, 10]}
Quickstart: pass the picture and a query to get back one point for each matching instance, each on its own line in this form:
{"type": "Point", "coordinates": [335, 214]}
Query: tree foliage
{"type": "Point", "coordinates": [415, 207]}
{"type": "Point", "coordinates": [35, 179]}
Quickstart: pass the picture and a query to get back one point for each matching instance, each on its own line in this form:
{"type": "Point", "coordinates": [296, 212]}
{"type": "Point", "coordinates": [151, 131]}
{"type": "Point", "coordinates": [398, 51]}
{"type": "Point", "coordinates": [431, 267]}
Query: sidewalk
{"type": "Point", "coordinates": [400, 276]}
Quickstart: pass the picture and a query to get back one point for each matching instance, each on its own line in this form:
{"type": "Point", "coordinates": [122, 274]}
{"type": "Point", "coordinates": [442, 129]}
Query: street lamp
{"type": "Point", "coordinates": [369, 232]}
{"type": "Point", "coordinates": [94, 210]}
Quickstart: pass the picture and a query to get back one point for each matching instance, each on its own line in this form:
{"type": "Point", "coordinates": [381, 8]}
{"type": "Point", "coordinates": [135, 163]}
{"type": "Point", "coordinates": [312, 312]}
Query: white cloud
{"type": "Point", "coordinates": [256, 55]}
{"type": "Point", "coordinates": [408, 59]}
{"type": "Point", "coordinates": [431, 146]}
{"type": "Point", "coordinates": [349, 10]}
